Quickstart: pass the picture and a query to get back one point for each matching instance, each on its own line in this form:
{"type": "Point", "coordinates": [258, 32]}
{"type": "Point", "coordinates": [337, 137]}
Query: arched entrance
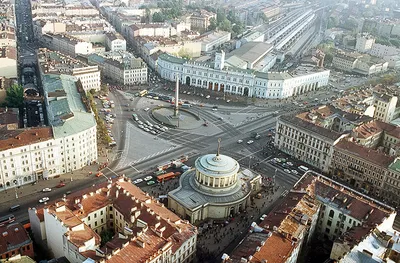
{"type": "Point", "coordinates": [210, 85]}
{"type": "Point", "coordinates": [246, 91]}
{"type": "Point", "coordinates": [215, 86]}
{"type": "Point", "coordinates": [221, 87]}
{"type": "Point", "coordinates": [188, 80]}
{"type": "Point", "coordinates": [232, 211]}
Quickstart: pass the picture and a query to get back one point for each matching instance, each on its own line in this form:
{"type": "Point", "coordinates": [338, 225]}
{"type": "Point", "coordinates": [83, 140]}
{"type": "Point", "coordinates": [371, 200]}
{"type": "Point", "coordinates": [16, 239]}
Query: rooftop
{"type": "Point", "coordinates": [251, 52]}
{"type": "Point", "coordinates": [10, 139]}
{"type": "Point", "coordinates": [212, 36]}
{"type": "Point", "coordinates": [68, 115]}
{"type": "Point", "coordinates": [373, 156]}
{"type": "Point", "coordinates": [9, 117]}
{"type": "Point", "coordinates": [13, 236]}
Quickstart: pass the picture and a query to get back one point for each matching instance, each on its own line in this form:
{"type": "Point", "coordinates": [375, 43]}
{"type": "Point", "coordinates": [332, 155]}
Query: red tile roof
{"type": "Point", "coordinates": [13, 236]}
{"type": "Point", "coordinates": [17, 138]}
{"type": "Point", "coordinates": [373, 156]}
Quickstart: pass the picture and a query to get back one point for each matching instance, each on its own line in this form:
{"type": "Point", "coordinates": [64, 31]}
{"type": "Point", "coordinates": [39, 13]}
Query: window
{"type": "Point", "coordinates": [331, 213]}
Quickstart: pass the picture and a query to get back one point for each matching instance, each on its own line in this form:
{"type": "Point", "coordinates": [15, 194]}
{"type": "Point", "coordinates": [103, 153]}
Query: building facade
{"type": "Point", "coordinates": [201, 19]}
{"type": "Point", "coordinates": [214, 39]}
{"type": "Point", "coordinates": [115, 42]}
{"type": "Point", "coordinates": [71, 226]}
{"type": "Point", "coordinates": [68, 45]}
{"type": "Point", "coordinates": [249, 83]}
{"type": "Point", "coordinates": [89, 77]}
{"type": "Point", "coordinates": [70, 143]}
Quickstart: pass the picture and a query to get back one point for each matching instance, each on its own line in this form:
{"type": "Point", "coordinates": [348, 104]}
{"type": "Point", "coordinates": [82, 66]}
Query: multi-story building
{"type": "Point", "coordinates": [364, 43]}
{"type": "Point", "coordinates": [8, 62]}
{"type": "Point", "coordinates": [115, 42]}
{"type": "Point", "coordinates": [70, 143]}
{"type": "Point", "coordinates": [145, 230]}
{"type": "Point", "coordinates": [311, 136]}
{"type": "Point", "coordinates": [147, 46]}
{"type": "Point", "coordinates": [201, 19]}
{"type": "Point", "coordinates": [385, 106]}
{"type": "Point", "coordinates": [7, 36]}
{"type": "Point", "coordinates": [381, 51]}
{"type": "Point", "coordinates": [235, 80]}
{"type": "Point", "coordinates": [121, 67]}
{"type": "Point", "coordinates": [68, 45]}
{"type": "Point", "coordinates": [53, 62]}
{"type": "Point", "coordinates": [65, 8]}
{"type": "Point", "coordinates": [357, 63]}
{"type": "Point", "coordinates": [316, 206]}
{"type": "Point", "coordinates": [213, 39]}
{"type": "Point", "coordinates": [15, 241]}
{"type": "Point", "coordinates": [164, 30]}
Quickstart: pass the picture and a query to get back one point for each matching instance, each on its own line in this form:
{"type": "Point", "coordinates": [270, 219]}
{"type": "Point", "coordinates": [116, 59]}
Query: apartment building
{"type": "Point", "coordinates": [8, 62]}
{"type": "Point", "coordinates": [68, 45]}
{"type": "Point", "coordinates": [7, 36]}
{"type": "Point", "coordinates": [311, 136]}
{"type": "Point", "coordinates": [121, 67]}
{"type": "Point", "coordinates": [64, 8]}
{"type": "Point", "coordinates": [214, 39]}
{"type": "Point", "coordinates": [115, 42]}
{"type": "Point", "coordinates": [316, 206]}
{"type": "Point", "coordinates": [201, 19]}
{"type": "Point", "coordinates": [70, 143]}
{"type": "Point", "coordinates": [15, 241]}
{"type": "Point", "coordinates": [145, 230]}
{"type": "Point", "coordinates": [53, 62]}
{"type": "Point", "coordinates": [385, 106]}
{"type": "Point", "coordinates": [364, 42]}
{"type": "Point", "coordinates": [357, 63]}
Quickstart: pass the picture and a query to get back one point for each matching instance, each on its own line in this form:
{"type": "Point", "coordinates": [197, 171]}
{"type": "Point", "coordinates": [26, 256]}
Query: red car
{"type": "Point", "coordinates": [61, 184]}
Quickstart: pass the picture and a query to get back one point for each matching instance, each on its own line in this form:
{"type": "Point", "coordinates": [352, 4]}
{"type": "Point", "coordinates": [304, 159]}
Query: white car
{"type": "Point", "coordinates": [289, 163]}
{"type": "Point", "coordinates": [239, 141]}
{"type": "Point", "coordinates": [228, 101]}
{"type": "Point", "coordinates": [146, 109]}
{"type": "Point", "coordinates": [250, 142]}
{"type": "Point", "coordinates": [138, 181]}
{"type": "Point", "coordinates": [147, 178]}
{"type": "Point", "coordinates": [263, 217]}
{"type": "Point", "coordinates": [44, 199]}
{"type": "Point", "coordinates": [287, 171]}
{"type": "Point", "coordinates": [208, 96]}
{"type": "Point", "coordinates": [214, 109]}
{"type": "Point", "coordinates": [46, 189]}
{"type": "Point", "coordinates": [295, 172]}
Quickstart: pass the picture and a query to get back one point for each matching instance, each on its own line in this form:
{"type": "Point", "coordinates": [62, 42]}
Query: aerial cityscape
{"type": "Point", "coordinates": [200, 131]}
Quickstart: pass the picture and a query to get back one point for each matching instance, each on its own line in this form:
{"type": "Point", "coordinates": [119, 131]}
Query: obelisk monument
{"type": "Point", "coordinates": [176, 108]}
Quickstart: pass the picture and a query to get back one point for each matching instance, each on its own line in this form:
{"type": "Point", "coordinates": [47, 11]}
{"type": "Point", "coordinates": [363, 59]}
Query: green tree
{"type": "Point", "coordinates": [15, 96]}
{"type": "Point", "coordinates": [158, 17]}
{"type": "Point", "coordinates": [333, 21]}
{"type": "Point", "coordinates": [213, 24]}
{"type": "Point", "coordinates": [225, 25]}
{"type": "Point", "coordinates": [238, 29]}
{"type": "Point", "coordinates": [106, 236]}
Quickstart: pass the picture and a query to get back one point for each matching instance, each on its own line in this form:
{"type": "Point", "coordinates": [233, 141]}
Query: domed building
{"type": "Point", "coordinates": [215, 188]}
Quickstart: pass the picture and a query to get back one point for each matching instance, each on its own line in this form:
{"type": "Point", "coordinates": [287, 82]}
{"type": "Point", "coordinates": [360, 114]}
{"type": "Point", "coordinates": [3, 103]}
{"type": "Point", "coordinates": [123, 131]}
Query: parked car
{"type": "Point", "coordinates": [150, 182]}
{"type": "Point", "coordinates": [289, 163]}
{"type": "Point", "coordinates": [239, 141]}
{"type": "Point", "coordinates": [61, 184]}
{"type": "Point", "coordinates": [295, 172]}
{"type": "Point", "coordinates": [46, 189]}
{"type": "Point", "coordinates": [147, 178]}
{"type": "Point", "coordinates": [287, 171]}
{"type": "Point", "coordinates": [138, 181]}
{"type": "Point", "coordinates": [250, 142]}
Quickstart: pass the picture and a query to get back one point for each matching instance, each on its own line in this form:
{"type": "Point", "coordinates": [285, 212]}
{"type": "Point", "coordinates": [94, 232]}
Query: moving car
{"type": "Point", "coordinates": [239, 141]}
{"type": "Point", "coordinates": [46, 189]}
{"type": "Point", "coordinates": [44, 199]}
{"type": "Point", "coordinates": [61, 184]}
{"type": "Point", "coordinates": [150, 182]}
{"type": "Point", "coordinates": [250, 142]}
{"type": "Point", "coordinates": [287, 171]}
{"type": "Point", "coordinates": [138, 181]}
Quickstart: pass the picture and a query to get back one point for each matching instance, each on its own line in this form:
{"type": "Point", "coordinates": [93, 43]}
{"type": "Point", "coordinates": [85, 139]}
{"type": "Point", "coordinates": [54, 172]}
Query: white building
{"type": "Point", "coordinates": [216, 188]}
{"type": "Point", "coordinates": [234, 80]}
{"type": "Point", "coordinates": [385, 107]}
{"type": "Point", "coordinates": [212, 40]}
{"type": "Point", "coordinates": [8, 62]}
{"type": "Point", "coordinates": [67, 44]}
{"type": "Point", "coordinates": [71, 227]}
{"type": "Point", "coordinates": [89, 76]}
{"type": "Point", "coordinates": [364, 43]}
{"type": "Point", "coordinates": [69, 144]}
{"type": "Point", "coordinates": [121, 67]}
{"type": "Point", "coordinates": [381, 51]}
{"type": "Point", "coordinates": [115, 42]}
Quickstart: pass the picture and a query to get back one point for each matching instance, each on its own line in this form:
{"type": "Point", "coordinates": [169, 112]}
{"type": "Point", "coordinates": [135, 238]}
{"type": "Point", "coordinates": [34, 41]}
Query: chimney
{"type": "Point", "coordinates": [5, 234]}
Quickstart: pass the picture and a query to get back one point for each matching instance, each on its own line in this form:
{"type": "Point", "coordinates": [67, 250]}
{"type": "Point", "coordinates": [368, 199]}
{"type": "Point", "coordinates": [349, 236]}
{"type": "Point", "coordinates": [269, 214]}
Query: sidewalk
{"type": "Point", "coordinates": [79, 177]}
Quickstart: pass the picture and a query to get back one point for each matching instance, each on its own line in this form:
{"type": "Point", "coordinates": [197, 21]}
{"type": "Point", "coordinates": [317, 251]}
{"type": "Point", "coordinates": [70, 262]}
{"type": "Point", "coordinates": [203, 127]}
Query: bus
{"type": "Point", "coordinates": [135, 117]}
{"type": "Point", "coordinates": [7, 219]}
{"type": "Point", "coordinates": [167, 176]}
{"type": "Point", "coordinates": [143, 93]}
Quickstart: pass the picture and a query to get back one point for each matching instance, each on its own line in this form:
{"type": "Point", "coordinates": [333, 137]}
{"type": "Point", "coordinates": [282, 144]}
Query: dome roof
{"type": "Point", "coordinates": [214, 165]}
